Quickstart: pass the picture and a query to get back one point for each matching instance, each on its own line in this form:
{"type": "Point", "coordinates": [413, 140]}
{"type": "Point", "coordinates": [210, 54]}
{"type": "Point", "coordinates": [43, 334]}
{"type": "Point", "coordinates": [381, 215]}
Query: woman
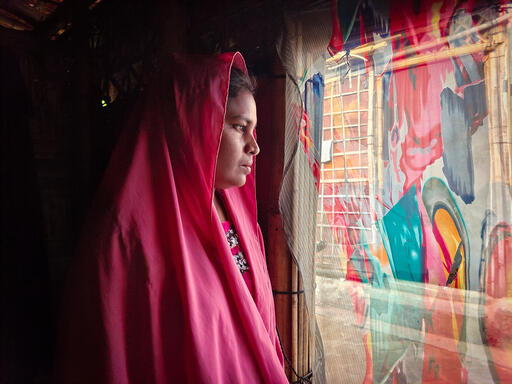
{"type": "Point", "coordinates": [160, 296]}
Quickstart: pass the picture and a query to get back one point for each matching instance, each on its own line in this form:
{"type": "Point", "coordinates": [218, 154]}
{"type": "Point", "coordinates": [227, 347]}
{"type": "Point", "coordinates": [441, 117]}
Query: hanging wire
{"type": "Point", "coordinates": [301, 379]}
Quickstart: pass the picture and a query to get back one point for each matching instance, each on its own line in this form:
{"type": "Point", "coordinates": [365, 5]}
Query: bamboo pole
{"type": "Point", "coordinates": [300, 329]}
{"type": "Point", "coordinates": [438, 56]}
{"type": "Point", "coordinates": [295, 317]}
{"type": "Point", "coordinates": [280, 266]}
{"type": "Point", "coordinates": [305, 334]}
{"type": "Point", "coordinates": [305, 330]}
{"type": "Point", "coordinates": [371, 47]}
{"type": "Point", "coordinates": [497, 72]}
{"type": "Point", "coordinates": [379, 126]}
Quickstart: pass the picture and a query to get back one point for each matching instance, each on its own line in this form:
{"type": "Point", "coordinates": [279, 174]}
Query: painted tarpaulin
{"type": "Point", "coordinates": [418, 256]}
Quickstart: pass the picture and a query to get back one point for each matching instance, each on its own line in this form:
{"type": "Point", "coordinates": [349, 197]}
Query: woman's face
{"type": "Point", "coordinates": [238, 145]}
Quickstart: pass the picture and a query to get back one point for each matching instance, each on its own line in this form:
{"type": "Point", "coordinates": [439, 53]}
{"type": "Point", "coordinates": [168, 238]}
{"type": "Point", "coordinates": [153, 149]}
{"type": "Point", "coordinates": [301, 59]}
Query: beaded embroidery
{"type": "Point", "coordinates": [238, 255]}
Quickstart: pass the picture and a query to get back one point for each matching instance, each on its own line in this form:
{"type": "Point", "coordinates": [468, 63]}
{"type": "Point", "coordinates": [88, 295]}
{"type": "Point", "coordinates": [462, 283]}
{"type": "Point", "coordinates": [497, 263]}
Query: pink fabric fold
{"type": "Point", "coordinates": [156, 296]}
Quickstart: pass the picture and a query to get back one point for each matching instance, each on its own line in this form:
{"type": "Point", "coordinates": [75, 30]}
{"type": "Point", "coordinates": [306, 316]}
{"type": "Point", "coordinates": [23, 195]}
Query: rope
{"type": "Point", "coordinates": [288, 292]}
{"type": "Point", "coordinates": [301, 379]}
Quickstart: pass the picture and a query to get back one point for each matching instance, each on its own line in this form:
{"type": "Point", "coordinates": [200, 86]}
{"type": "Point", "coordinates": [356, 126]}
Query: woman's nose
{"type": "Point", "coordinates": [252, 146]}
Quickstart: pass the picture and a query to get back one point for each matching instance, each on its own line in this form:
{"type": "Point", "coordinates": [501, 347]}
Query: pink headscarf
{"type": "Point", "coordinates": [157, 297]}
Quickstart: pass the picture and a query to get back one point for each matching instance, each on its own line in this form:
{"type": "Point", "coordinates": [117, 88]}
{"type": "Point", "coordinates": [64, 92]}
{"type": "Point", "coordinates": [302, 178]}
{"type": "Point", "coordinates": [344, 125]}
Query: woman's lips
{"type": "Point", "coordinates": [246, 168]}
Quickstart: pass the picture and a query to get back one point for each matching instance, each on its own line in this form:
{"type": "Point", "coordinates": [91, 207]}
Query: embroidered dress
{"type": "Point", "coordinates": [234, 244]}
{"type": "Point", "coordinates": [238, 255]}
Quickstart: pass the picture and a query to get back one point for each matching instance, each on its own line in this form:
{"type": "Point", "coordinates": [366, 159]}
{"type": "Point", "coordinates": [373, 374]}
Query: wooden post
{"type": "Point", "coordinates": [271, 104]}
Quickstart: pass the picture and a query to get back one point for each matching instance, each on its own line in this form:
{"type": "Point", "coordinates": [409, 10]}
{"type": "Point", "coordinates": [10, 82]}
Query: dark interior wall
{"type": "Point", "coordinates": [56, 138]}
{"type": "Point", "coordinates": [26, 300]}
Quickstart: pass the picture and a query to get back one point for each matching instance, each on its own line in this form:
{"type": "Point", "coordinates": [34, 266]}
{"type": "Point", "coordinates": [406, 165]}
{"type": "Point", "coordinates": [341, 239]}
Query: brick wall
{"type": "Point", "coordinates": [344, 201]}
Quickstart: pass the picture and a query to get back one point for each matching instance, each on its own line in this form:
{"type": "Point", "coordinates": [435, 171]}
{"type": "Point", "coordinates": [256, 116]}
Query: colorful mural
{"type": "Point", "coordinates": [440, 191]}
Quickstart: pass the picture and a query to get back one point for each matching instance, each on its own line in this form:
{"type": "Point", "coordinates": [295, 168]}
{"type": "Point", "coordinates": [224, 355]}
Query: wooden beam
{"type": "Point", "coordinates": [368, 49]}
{"type": "Point", "coordinates": [11, 21]}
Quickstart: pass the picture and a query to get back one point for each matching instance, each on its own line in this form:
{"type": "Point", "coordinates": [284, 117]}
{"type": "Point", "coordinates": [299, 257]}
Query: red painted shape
{"type": "Point", "coordinates": [336, 42]}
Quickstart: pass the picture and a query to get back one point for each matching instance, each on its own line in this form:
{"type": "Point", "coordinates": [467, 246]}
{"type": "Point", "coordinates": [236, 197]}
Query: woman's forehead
{"type": "Point", "coordinates": [242, 106]}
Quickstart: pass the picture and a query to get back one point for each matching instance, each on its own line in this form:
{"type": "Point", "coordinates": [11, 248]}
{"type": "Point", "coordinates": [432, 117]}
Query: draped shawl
{"type": "Point", "coordinates": [156, 296]}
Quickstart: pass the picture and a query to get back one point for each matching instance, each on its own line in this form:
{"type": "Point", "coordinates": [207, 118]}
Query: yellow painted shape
{"type": "Point", "coordinates": [455, 325]}
{"type": "Point", "coordinates": [507, 257]}
{"type": "Point", "coordinates": [436, 18]}
{"type": "Point", "coordinates": [452, 239]}
{"type": "Point", "coordinates": [380, 254]}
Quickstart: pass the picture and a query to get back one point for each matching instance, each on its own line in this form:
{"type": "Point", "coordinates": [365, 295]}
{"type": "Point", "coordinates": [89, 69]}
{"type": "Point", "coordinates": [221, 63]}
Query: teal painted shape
{"type": "Point", "coordinates": [396, 312]}
{"type": "Point", "coordinates": [402, 236]}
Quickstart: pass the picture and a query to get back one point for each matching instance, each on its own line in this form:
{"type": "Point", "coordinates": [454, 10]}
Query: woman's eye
{"type": "Point", "coordinates": [241, 128]}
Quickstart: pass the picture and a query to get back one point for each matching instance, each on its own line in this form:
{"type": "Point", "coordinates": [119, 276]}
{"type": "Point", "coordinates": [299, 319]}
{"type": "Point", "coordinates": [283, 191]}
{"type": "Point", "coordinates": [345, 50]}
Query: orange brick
{"type": "Point", "coordinates": [336, 104]}
{"type": "Point", "coordinates": [348, 86]}
{"type": "Point", "coordinates": [326, 166]}
{"type": "Point", "coordinates": [350, 102]}
{"type": "Point", "coordinates": [351, 132]}
{"type": "Point", "coordinates": [350, 118]}
{"type": "Point", "coordinates": [327, 175]}
{"type": "Point", "coordinates": [352, 160]}
{"type": "Point", "coordinates": [359, 173]}
{"type": "Point", "coordinates": [338, 148]}
{"type": "Point", "coordinates": [364, 117]}
{"type": "Point", "coordinates": [336, 88]}
{"type": "Point", "coordinates": [338, 133]}
{"type": "Point", "coordinates": [338, 162]}
{"type": "Point", "coordinates": [352, 145]}
{"type": "Point", "coordinates": [337, 120]}
{"type": "Point", "coordinates": [339, 174]}
{"type": "Point", "coordinates": [363, 100]}
{"type": "Point", "coordinates": [327, 106]}
{"type": "Point", "coordinates": [328, 90]}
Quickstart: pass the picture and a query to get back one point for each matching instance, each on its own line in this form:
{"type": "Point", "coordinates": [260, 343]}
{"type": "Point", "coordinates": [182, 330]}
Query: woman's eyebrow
{"type": "Point", "coordinates": [242, 117]}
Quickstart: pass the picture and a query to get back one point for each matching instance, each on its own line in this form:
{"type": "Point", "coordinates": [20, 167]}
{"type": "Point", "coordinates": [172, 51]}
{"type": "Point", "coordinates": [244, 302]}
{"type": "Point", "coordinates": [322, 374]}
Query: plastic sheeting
{"type": "Point", "coordinates": [413, 264]}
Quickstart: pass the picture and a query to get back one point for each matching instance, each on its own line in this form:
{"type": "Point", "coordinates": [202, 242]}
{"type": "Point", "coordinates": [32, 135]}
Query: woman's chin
{"type": "Point", "coordinates": [232, 183]}
{"type": "Point", "coordinates": [240, 182]}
